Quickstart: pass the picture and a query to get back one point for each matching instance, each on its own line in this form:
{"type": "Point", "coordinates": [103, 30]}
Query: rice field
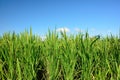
{"type": "Point", "coordinates": [25, 56]}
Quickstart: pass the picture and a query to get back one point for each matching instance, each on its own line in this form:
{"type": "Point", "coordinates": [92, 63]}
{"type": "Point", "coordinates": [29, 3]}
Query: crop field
{"type": "Point", "coordinates": [25, 56]}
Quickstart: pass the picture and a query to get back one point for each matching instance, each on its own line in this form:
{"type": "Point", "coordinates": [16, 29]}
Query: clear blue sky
{"type": "Point", "coordinates": [96, 16]}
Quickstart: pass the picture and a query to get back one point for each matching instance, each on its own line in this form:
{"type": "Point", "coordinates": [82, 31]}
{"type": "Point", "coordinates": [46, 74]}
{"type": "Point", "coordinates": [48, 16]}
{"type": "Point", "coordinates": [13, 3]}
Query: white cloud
{"type": "Point", "coordinates": [43, 37]}
{"type": "Point", "coordinates": [77, 30]}
{"type": "Point", "coordinates": [63, 29]}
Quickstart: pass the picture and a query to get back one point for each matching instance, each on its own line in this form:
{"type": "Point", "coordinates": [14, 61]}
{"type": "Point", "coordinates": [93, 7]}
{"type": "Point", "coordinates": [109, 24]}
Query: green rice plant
{"type": "Point", "coordinates": [26, 56]}
{"type": "Point", "coordinates": [19, 70]}
{"type": "Point", "coordinates": [52, 56]}
{"type": "Point", "coordinates": [68, 56]}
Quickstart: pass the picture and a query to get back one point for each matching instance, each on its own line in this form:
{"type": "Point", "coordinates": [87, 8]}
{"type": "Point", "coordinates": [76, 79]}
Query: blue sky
{"type": "Point", "coordinates": [96, 16]}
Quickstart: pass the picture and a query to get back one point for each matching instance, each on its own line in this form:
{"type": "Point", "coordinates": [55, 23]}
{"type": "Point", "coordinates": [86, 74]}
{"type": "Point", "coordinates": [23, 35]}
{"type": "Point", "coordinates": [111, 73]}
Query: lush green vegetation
{"type": "Point", "coordinates": [25, 56]}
